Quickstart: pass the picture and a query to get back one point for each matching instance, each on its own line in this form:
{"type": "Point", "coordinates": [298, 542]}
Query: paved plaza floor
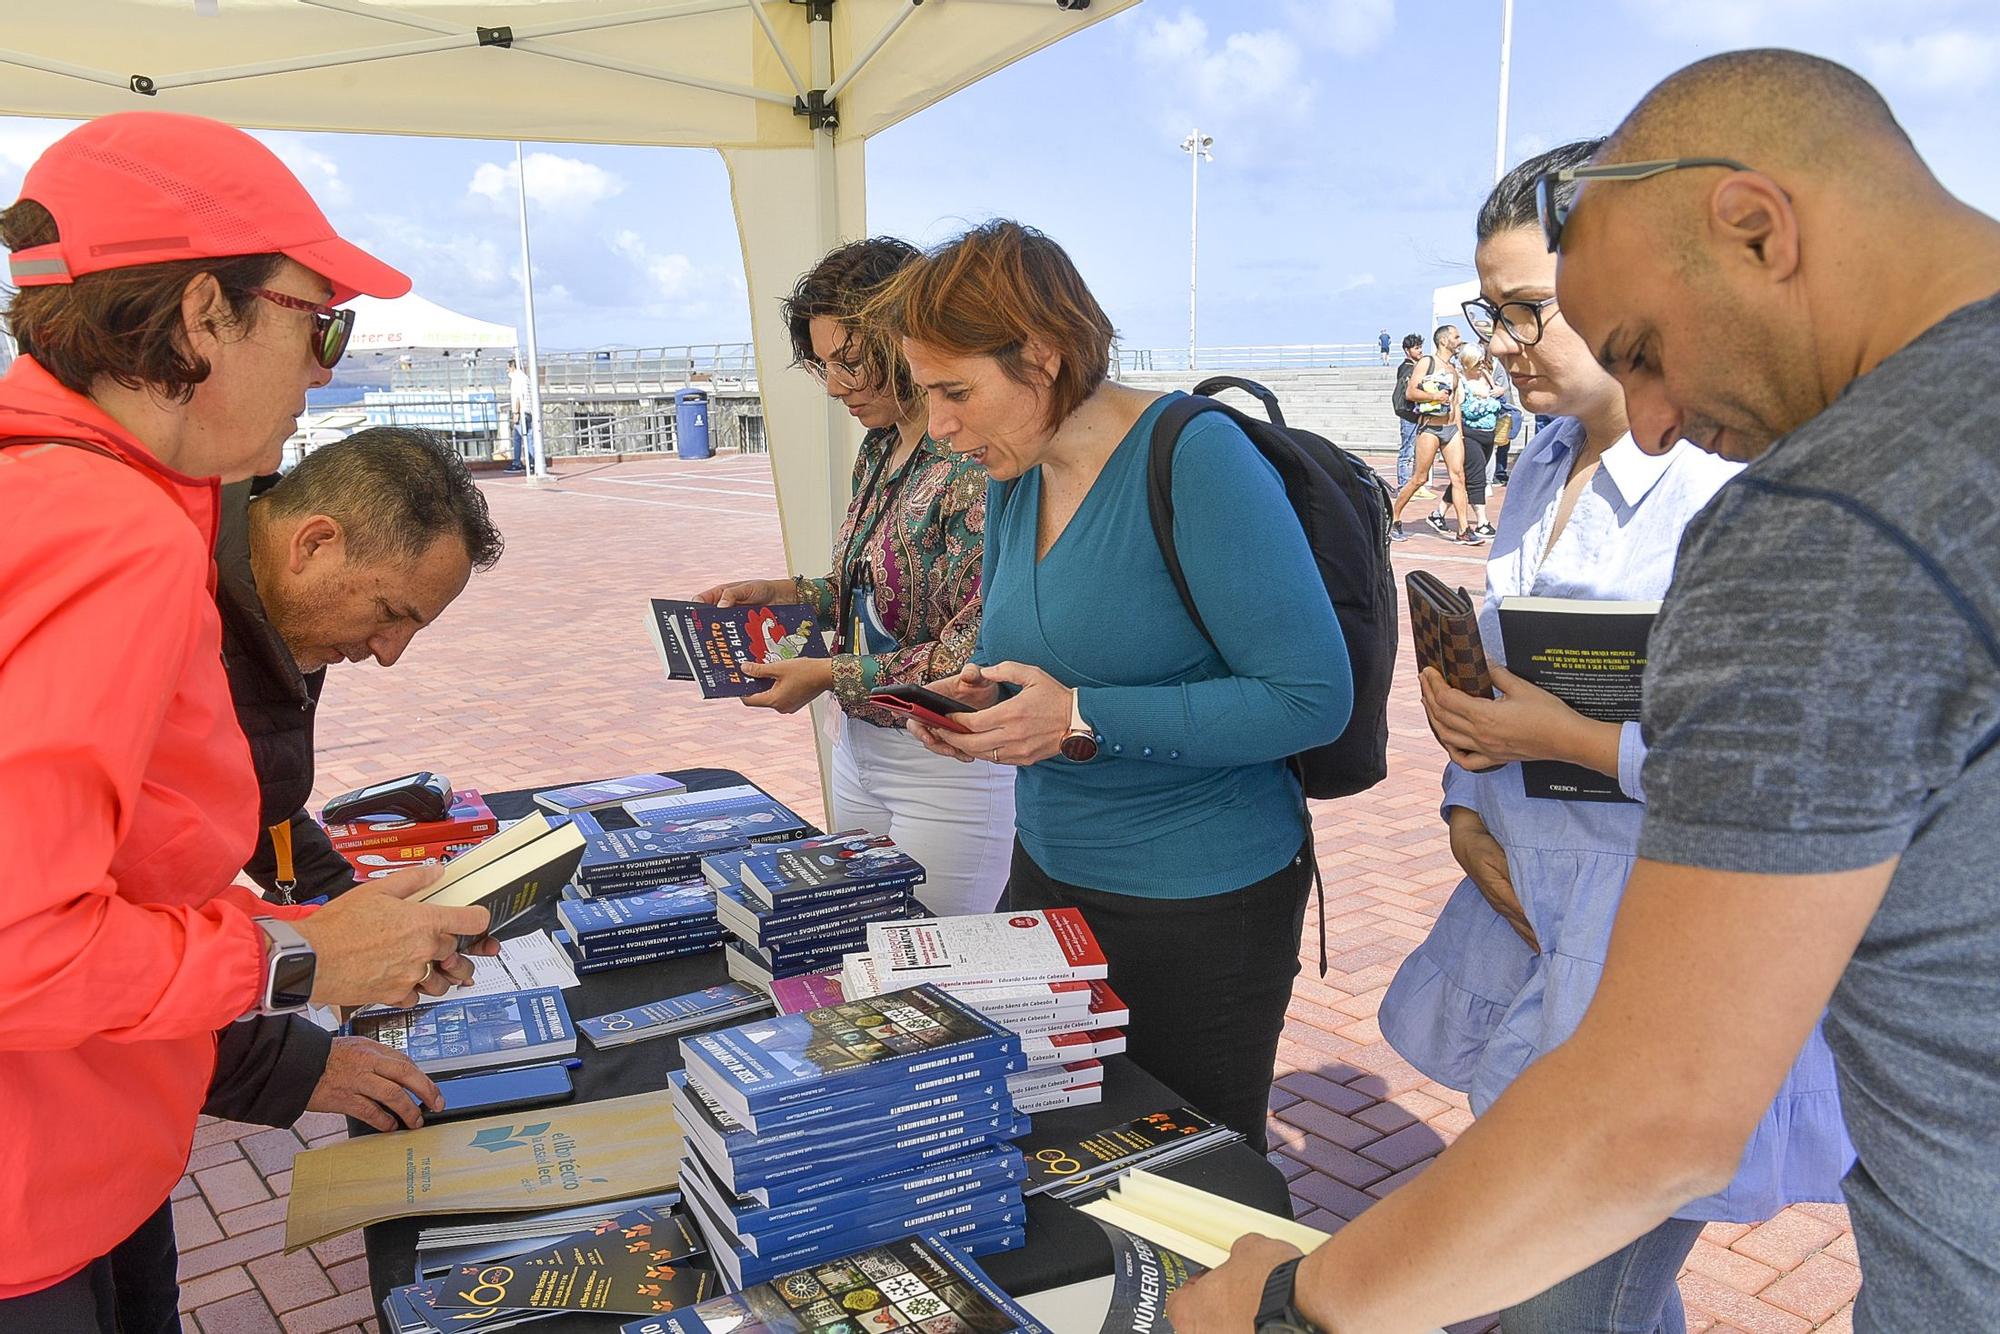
{"type": "Point", "coordinates": [543, 671]}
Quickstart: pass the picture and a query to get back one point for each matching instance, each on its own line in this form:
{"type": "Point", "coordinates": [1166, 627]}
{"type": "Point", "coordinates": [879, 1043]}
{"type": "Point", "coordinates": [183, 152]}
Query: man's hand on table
{"type": "Point", "coordinates": [373, 1084]}
{"type": "Point", "coordinates": [1225, 1299]}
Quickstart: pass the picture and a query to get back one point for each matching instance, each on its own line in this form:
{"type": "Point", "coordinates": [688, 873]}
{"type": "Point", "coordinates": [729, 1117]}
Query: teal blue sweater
{"type": "Point", "coordinates": [1189, 794]}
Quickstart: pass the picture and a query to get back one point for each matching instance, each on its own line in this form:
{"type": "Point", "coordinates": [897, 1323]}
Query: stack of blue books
{"type": "Point", "coordinates": [799, 906]}
{"type": "Point", "coordinates": [807, 1135]}
{"type": "Point", "coordinates": [655, 841]}
{"type": "Point", "coordinates": [663, 923]}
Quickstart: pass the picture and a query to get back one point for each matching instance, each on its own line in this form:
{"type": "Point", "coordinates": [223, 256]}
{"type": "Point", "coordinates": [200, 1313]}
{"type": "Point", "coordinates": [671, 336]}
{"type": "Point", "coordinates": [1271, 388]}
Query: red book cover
{"type": "Point", "coordinates": [408, 854]}
{"type": "Point", "coordinates": [467, 821]}
{"type": "Point", "coordinates": [1073, 934]}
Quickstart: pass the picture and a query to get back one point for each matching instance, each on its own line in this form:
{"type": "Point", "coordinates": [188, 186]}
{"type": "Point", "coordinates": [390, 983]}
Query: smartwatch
{"type": "Point", "coordinates": [1277, 1313]}
{"type": "Point", "coordinates": [1079, 743]}
{"type": "Point", "coordinates": [289, 966]}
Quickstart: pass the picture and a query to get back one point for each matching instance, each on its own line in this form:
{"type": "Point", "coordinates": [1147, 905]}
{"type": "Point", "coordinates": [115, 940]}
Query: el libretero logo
{"type": "Point", "coordinates": [554, 1154]}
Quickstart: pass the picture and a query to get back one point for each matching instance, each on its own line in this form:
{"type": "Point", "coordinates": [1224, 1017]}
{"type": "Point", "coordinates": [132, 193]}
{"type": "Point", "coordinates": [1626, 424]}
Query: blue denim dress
{"type": "Point", "coordinates": [1473, 1006]}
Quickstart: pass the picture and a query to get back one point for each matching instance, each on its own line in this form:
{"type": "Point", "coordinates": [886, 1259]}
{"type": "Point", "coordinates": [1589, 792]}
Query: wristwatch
{"type": "Point", "coordinates": [1080, 743]}
{"type": "Point", "coordinates": [289, 966]}
{"type": "Point", "coordinates": [1278, 1313]}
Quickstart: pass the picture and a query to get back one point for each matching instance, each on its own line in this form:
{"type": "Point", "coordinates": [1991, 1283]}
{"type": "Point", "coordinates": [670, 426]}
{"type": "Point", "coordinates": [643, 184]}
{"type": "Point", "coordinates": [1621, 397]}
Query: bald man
{"type": "Point", "coordinates": [1822, 703]}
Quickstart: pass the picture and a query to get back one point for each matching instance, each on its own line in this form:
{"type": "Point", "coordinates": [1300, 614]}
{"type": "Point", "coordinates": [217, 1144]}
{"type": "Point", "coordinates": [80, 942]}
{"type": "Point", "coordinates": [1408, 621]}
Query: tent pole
{"type": "Point", "coordinates": [881, 40]}
{"type": "Point", "coordinates": [531, 440]}
{"type": "Point", "coordinates": [771, 35]}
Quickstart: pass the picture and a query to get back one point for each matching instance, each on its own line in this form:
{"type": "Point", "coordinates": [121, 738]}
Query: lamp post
{"type": "Point", "coordinates": [1506, 52]}
{"type": "Point", "coordinates": [1196, 146]}
{"type": "Point", "coordinates": [536, 462]}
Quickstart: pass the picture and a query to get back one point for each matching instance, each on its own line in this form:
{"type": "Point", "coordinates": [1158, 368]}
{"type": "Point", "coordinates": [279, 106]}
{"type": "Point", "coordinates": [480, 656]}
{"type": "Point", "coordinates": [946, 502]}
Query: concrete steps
{"type": "Point", "coordinates": [1349, 404]}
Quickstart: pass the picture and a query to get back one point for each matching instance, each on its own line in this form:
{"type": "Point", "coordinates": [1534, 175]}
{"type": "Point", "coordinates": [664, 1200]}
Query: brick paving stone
{"type": "Point", "coordinates": [1347, 1132]}
{"type": "Point", "coordinates": [272, 1150]}
{"type": "Point", "coordinates": [1451, 1122]}
{"type": "Point", "coordinates": [1722, 1234]}
{"type": "Point", "coordinates": [242, 1314]}
{"type": "Point", "coordinates": [254, 1216]}
{"type": "Point", "coordinates": [347, 1309]}
{"type": "Point", "coordinates": [1412, 1144]}
{"type": "Point", "coordinates": [346, 1246]}
{"type": "Point", "coordinates": [184, 1188]}
{"type": "Point", "coordinates": [1745, 1313]}
{"type": "Point", "coordinates": [315, 1124]}
{"type": "Point", "coordinates": [1820, 1286]}
{"type": "Point", "coordinates": [349, 1276]}
{"type": "Point", "coordinates": [1287, 1164]}
{"type": "Point", "coordinates": [291, 1281]}
{"type": "Point", "coordinates": [1337, 1162]}
{"type": "Point", "coordinates": [213, 1155]}
{"type": "Point", "coordinates": [1726, 1266]}
{"type": "Point", "coordinates": [1382, 1189]}
{"type": "Point", "coordinates": [194, 1224]}
{"type": "Point", "coordinates": [231, 1251]}
{"type": "Point", "coordinates": [1385, 1117]}
{"type": "Point", "coordinates": [1333, 1196]}
{"type": "Point", "coordinates": [1842, 1248]}
{"type": "Point", "coordinates": [1323, 1221]}
{"type": "Point", "coordinates": [231, 1186]}
{"type": "Point", "coordinates": [214, 1287]}
{"type": "Point", "coordinates": [1785, 1241]}
{"type": "Point", "coordinates": [1326, 1092]}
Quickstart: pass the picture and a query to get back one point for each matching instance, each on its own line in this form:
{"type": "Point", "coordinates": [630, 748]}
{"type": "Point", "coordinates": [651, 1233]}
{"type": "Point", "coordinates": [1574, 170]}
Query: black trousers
{"type": "Point", "coordinates": [133, 1290]}
{"type": "Point", "coordinates": [1208, 979]}
{"type": "Point", "coordinates": [1478, 449]}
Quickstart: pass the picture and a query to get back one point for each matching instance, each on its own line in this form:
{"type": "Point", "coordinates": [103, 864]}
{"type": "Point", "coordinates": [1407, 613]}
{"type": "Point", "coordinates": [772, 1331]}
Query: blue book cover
{"type": "Point", "coordinates": [711, 645]}
{"type": "Point", "coordinates": [848, 1126]}
{"type": "Point", "coordinates": [756, 925]}
{"type": "Point", "coordinates": [834, 1217]}
{"type": "Point", "coordinates": [990, 1169]}
{"type": "Point", "coordinates": [649, 953]}
{"type": "Point", "coordinates": [655, 914]}
{"type": "Point", "coordinates": [898, 1038]}
{"type": "Point", "coordinates": [664, 838]}
{"type": "Point", "coordinates": [782, 871]}
{"type": "Point", "coordinates": [674, 1014]}
{"type": "Point", "coordinates": [606, 792]}
{"type": "Point", "coordinates": [908, 1283]}
{"type": "Point", "coordinates": [502, 1029]}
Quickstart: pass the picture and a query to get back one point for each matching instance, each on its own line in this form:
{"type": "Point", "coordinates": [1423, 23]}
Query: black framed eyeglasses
{"type": "Point", "coordinates": [1554, 211]}
{"type": "Point", "coordinates": [330, 329]}
{"type": "Point", "coordinates": [1521, 319]}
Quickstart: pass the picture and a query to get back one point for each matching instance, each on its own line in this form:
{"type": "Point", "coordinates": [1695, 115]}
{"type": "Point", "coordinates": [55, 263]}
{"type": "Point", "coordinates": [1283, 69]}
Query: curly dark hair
{"type": "Point", "coordinates": [124, 324]}
{"type": "Point", "coordinates": [839, 288]}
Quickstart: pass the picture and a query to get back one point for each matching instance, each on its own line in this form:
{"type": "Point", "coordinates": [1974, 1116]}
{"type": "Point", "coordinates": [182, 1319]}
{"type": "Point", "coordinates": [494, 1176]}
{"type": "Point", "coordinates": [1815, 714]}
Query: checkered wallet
{"type": "Point", "coordinates": [1444, 629]}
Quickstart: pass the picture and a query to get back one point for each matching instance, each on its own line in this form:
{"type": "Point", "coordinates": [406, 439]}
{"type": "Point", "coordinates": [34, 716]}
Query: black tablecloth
{"type": "Point", "coordinates": [1064, 1246]}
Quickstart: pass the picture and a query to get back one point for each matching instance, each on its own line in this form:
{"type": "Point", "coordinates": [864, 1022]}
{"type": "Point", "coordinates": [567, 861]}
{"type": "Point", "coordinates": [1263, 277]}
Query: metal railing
{"type": "Point", "coordinates": [1248, 357]}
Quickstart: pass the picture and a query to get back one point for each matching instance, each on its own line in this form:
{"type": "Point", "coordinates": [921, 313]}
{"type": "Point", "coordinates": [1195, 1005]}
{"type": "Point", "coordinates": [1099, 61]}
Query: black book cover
{"type": "Point", "coordinates": [1591, 656]}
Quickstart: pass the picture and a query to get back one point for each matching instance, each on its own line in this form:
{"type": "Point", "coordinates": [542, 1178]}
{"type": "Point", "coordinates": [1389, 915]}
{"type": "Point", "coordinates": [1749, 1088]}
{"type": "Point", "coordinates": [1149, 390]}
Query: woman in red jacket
{"type": "Point", "coordinates": [176, 293]}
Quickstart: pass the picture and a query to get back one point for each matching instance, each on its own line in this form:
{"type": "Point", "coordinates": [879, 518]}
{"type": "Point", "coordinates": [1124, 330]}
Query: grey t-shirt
{"type": "Point", "coordinates": [1823, 694]}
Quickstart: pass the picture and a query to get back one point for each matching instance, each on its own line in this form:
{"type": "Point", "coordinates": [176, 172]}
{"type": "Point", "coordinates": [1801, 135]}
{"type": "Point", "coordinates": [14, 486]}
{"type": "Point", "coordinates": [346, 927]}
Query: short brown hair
{"type": "Point", "coordinates": [120, 323]}
{"type": "Point", "coordinates": [987, 293]}
{"type": "Point", "coordinates": [838, 288]}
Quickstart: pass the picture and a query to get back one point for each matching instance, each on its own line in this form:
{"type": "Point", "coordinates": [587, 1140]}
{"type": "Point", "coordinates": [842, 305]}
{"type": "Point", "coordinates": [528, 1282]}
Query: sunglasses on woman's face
{"type": "Point", "coordinates": [1555, 211]}
{"type": "Point", "coordinates": [330, 328]}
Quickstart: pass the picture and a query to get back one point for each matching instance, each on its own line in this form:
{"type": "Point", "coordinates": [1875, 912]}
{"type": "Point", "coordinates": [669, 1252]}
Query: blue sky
{"type": "Point", "coordinates": [1354, 140]}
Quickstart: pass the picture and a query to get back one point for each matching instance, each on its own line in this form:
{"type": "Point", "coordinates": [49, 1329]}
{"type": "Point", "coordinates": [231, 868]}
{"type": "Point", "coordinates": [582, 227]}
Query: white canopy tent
{"type": "Point", "coordinates": [788, 90]}
{"type": "Point", "coordinates": [411, 322]}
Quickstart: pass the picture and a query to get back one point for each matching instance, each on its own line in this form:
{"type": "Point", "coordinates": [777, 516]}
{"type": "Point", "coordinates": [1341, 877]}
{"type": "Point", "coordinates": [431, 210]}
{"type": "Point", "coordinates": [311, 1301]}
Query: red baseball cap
{"type": "Point", "coordinates": [147, 187]}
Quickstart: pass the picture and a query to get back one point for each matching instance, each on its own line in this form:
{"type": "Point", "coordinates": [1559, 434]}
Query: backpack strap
{"type": "Point", "coordinates": [1160, 489]}
{"type": "Point", "coordinates": [1208, 387]}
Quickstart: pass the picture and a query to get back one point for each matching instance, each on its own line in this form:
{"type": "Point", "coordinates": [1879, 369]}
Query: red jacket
{"type": "Point", "coordinates": [127, 805]}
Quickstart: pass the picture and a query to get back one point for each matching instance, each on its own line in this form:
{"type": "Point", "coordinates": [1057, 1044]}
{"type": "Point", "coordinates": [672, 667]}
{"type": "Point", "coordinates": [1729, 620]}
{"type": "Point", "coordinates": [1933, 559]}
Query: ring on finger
{"type": "Point", "coordinates": [429, 968]}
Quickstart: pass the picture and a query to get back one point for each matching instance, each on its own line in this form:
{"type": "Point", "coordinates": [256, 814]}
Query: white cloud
{"type": "Point", "coordinates": [439, 260]}
{"type": "Point", "coordinates": [1348, 28]}
{"type": "Point", "coordinates": [1723, 24]}
{"type": "Point", "coordinates": [1247, 83]}
{"type": "Point", "coordinates": [1952, 60]}
{"type": "Point", "coordinates": [554, 182]}
{"type": "Point", "coordinates": [320, 173]}
{"type": "Point", "coordinates": [672, 273]}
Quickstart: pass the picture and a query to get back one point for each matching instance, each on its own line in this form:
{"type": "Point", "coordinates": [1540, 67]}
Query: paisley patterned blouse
{"type": "Point", "coordinates": [914, 535]}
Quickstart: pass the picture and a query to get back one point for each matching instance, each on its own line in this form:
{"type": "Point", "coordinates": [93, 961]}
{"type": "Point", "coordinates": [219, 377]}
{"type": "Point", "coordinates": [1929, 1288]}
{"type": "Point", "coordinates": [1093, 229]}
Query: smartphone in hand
{"type": "Point", "coordinates": [925, 705]}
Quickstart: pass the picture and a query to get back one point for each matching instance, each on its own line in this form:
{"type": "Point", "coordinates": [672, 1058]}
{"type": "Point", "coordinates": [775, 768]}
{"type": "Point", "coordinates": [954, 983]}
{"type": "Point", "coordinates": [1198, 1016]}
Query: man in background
{"type": "Point", "coordinates": [344, 558]}
{"type": "Point", "coordinates": [520, 415]}
{"type": "Point", "coordinates": [1406, 451]}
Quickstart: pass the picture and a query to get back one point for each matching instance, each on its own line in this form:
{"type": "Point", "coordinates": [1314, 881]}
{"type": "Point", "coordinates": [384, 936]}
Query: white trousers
{"type": "Point", "coordinates": [956, 819]}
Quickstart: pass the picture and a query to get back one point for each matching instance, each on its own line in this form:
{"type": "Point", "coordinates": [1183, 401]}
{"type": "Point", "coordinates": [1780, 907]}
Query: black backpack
{"type": "Point", "coordinates": [1399, 398]}
{"type": "Point", "coordinates": [1344, 508]}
